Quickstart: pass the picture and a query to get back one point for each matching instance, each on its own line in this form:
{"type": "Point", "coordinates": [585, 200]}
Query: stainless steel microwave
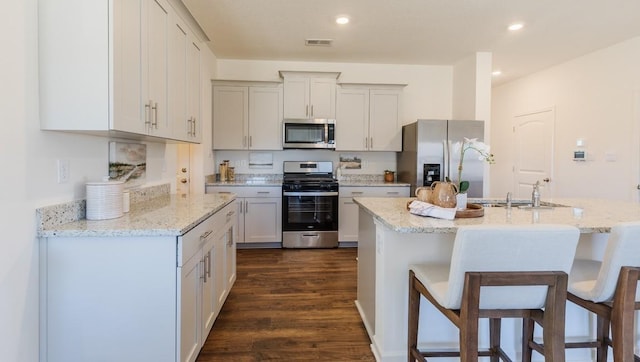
{"type": "Point", "coordinates": [309, 133]}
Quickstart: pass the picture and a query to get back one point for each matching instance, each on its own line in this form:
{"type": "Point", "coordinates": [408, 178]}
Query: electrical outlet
{"type": "Point", "coordinates": [63, 171]}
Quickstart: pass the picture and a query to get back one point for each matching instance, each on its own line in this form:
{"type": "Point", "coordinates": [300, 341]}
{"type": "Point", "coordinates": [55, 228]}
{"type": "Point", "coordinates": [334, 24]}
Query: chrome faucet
{"type": "Point", "coordinates": [508, 200]}
{"type": "Point", "coordinates": [535, 195]}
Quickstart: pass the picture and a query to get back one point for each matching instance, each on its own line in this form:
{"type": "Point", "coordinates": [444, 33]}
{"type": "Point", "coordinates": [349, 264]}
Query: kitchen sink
{"type": "Point", "coordinates": [521, 204]}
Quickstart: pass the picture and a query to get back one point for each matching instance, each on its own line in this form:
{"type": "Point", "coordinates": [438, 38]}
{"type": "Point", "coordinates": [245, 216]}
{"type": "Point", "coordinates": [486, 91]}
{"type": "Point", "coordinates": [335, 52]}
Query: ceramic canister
{"type": "Point", "coordinates": [104, 200]}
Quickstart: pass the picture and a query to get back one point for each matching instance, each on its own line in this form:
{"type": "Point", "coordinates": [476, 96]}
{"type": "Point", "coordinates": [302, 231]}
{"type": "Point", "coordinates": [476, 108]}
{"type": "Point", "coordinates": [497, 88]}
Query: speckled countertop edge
{"type": "Point", "coordinates": [154, 212]}
{"type": "Point", "coordinates": [588, 215]}
{"type": "Point", "coordinates": [170, 215]}
{"type": "Point", "coordinates": [276, 180]}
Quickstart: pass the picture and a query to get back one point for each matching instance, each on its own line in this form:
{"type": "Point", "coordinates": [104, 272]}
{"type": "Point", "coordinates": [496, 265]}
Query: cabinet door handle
{"type": "Point", "coordinates": [194, 126]}
{"type": "Point", "coordinates": [250, 141]}
{"type": "Point", "coordinates": [356, 192]}
{"type": "Point", "coordinates": [312, 110]}
{"type": "Point", "coordinates": [208, 265]}
{"type": "Point", "coordinates": [241, 207]}
{"type": "Point", "coordinates": [246, 207]}
{"type": "Point", "coordinates": [366, 143]}
{"type": "Point", "coordinates": [392, 192]}
{"type": "Point", "coordinates": [264, 192]}
{"type": "Point", "coordinates": [147, 109]}
{"type": "Point", "coordinates": [155, 115]}
{"type": "Point", "coordinates": [230, 237]}
{"type": "Point", "coordinates": [203, 273]}
{"type": "Point", "coordinates": [205, 235]}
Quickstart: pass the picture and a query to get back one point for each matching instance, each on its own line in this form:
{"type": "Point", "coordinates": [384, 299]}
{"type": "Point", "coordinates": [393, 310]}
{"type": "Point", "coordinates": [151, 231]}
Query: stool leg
{"type": "Point", "coordinates": [602, 334]}
{"type": "Point", "coordinates": [414, 314]}
{"type": "Point", "coordinates": [527, 336]}
{"type": "Point", "coordinates": [554, 320]}
{"type": "Point", "coordinates": [622, 315]}
{"type": "Point", "coordinates": [494, 338]}
{"type": "Point", "coordinates": [469, 315]}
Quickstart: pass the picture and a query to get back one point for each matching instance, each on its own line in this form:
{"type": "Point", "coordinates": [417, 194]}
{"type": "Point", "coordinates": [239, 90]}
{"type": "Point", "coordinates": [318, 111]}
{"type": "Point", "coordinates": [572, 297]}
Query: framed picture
{"type": "Point", "coordinates": [127, 162]}
{"type": "Point", "coordinates": [350, 162]}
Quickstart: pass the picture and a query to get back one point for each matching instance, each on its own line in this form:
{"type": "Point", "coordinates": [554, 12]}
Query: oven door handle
{"type": "Point", "coordinates": [310, 193]}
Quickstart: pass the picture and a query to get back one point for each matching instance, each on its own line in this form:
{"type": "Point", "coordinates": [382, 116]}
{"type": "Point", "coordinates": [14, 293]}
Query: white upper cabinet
{"type": "Point", "coordinates": [230, 117]}
{"type": "Point", "coordinates": [111, 76]}
{"type": "Point", "coordinates": [247, 116]}
{"type": "Point", "coordinates": [184, 83]}
{"type": "Point", "coordinates": [194, 120]}
{"type": "Point", "coordinates": [265, 118]}
{"type": "Point", "coordinates": [178, 42]}
{"type": "Point", "coordinates": [309, 94]}
{"type": "Point", "coordinates": [369, 118]}
{"type": "Point", "coordinates": [155, 53]}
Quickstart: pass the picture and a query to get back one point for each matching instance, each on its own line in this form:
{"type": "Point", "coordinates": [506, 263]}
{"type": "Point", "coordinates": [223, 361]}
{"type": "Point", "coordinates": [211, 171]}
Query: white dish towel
{"type": "Point", "coordinates": [426, 209]}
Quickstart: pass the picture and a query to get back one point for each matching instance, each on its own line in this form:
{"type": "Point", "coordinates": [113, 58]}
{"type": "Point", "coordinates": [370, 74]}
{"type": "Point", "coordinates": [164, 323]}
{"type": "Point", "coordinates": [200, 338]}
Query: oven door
{"type": "Point", "coordinates": [309, 211]}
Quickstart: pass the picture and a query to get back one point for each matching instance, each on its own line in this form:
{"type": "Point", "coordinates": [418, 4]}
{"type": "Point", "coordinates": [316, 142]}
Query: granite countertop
{"type": "Point", "coordinates": [371, 183]}
{"type": "Point", "coordinates": [276, 180]}
{"type": "Point", "coordinates": [169, 215]}
{"type": "Point", "coordinates": [589, 215]}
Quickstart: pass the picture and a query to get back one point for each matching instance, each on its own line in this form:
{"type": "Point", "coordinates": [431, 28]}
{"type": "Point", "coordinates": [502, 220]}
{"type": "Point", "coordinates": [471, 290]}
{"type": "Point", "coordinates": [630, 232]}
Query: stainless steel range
{"type": "Point", "coordinates": [309, 205]}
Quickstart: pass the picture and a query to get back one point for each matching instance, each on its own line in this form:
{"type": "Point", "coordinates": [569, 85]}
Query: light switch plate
{"type": "Point", "coordinates": [63, 171]}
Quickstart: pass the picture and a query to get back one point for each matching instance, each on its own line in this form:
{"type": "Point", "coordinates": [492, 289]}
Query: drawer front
{"type": "Point", "coordinates": [203, 233]}
{"type": "Point", "coordinates": [383, 191]}
{"type": "Point", "coordinates": [248, 191]}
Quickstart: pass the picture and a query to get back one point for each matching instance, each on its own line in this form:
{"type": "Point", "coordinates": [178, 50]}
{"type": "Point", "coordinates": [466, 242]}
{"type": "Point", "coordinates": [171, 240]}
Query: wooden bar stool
{"type": "Point", "coordinates": [497, 272]}
{"type": "Point", "coordinates": [609, 290]}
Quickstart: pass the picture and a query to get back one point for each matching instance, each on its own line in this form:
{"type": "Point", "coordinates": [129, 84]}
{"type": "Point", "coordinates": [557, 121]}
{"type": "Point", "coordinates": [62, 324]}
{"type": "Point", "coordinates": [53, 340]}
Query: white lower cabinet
{"type": "Point", "coordinates": [348, 209]}
{"type": "Point", "coordinates": [259, 212]}
{"type": "Point", "coordinates": [149, 298]}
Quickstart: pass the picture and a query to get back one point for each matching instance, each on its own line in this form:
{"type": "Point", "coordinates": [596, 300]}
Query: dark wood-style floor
{"type": "Point", "coordinates": [291, 305]}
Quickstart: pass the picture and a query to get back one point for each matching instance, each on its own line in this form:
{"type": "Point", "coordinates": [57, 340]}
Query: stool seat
{"type": "Point", "coordinates": [583, 279]}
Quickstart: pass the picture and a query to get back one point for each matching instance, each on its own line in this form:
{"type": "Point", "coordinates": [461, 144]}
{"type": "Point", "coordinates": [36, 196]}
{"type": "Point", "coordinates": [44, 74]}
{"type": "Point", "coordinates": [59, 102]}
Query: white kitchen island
{"type": "Point", "coordinates": [391, 239]}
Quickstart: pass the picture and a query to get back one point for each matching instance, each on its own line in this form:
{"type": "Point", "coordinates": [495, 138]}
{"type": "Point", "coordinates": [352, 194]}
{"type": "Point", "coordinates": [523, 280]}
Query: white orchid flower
{"type": "Point", "coordinates": [483, 151]}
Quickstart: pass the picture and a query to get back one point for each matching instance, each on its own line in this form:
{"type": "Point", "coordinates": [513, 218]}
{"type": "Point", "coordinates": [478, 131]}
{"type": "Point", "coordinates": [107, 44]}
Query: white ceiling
{"type": "Point", "coordinates": [430, 32]}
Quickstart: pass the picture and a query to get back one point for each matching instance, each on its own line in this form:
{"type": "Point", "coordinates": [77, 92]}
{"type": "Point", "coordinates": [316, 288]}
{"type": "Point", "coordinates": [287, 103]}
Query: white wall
{"type": "Point", "coordinates": [29, 177]}
{"type": "Point", "coordinates": [427, 94]}
{"type": "Point", "coordinates": [596, 98]}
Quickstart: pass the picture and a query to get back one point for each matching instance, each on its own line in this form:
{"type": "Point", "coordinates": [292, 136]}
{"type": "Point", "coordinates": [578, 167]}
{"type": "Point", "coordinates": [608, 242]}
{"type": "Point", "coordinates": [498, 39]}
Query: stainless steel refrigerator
{"type": "Point", "coordinates": [427, 154]}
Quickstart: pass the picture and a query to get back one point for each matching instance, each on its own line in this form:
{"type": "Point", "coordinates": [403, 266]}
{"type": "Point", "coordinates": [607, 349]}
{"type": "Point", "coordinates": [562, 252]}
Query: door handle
{"type": "Point", "coordinates": [546, 179]}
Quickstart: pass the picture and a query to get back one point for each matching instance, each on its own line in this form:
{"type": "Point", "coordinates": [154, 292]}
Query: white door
{"type": "Point", "coordinates": [635, 164]}
{"type": "Point", "coordinates": [533, 136]}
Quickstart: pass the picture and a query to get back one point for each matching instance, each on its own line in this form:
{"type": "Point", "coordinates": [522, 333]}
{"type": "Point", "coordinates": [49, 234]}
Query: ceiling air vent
{"type": "Point", "coordinates": [318, 42]}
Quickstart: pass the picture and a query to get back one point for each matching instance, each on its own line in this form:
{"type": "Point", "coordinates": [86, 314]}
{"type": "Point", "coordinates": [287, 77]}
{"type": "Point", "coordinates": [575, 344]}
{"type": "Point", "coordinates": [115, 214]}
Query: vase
{"type": "Point", "coordinates": [461, 201]}
{"type": "Point", "coordinates": [444, 194]}
{"type": "Point", "coordinates": [389, 176]}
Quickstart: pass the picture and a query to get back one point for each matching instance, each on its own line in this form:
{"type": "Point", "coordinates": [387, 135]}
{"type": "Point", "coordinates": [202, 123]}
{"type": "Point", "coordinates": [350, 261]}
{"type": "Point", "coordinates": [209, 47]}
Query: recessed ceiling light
{"type": "Point", "coordinates": [496, 73]}
{"type": "Point", "coordinates": [342, 19]}
{"type": "Point", "coordinates": [515, 26]}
